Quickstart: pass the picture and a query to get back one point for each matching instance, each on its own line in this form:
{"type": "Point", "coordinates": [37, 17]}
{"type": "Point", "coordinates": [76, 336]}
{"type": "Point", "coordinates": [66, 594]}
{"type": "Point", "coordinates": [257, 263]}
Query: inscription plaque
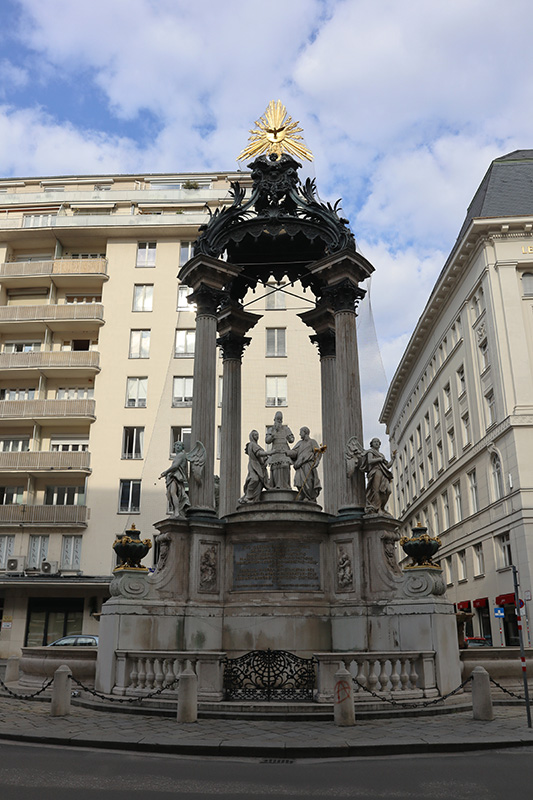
{"type": "Point", "coordinates": [276, 565]}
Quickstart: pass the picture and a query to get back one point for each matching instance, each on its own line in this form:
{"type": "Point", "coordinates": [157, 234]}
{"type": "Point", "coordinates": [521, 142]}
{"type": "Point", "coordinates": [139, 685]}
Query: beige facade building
{"type": "Point", "coordinates": [459, 410]}
{"type": "Point", "coordinates": [96, 379]}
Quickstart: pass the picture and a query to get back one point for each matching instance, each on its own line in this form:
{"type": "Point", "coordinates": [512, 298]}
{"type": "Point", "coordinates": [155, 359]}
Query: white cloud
{"type": "Point", "coordinates": [12, 77]}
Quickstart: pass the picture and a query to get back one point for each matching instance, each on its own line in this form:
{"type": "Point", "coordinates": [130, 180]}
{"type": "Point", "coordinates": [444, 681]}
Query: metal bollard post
{"type": "Point", "coordinates": [343, 707]}
{"type": "Point", "coordinates": [188, 695]}
{"type": "Point", "coordinates": [61, 689]}
{"type": "Point", "coordinates": [481, 697]}
{"type": "Point", "coordinates": [12, 670]}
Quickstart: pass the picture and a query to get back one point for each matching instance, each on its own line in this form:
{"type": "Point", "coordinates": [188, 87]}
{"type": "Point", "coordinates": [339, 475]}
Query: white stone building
{"type": "Point", "coordinates": [96, 365]}
{"type": "Point", "coordinates": [459, 410]}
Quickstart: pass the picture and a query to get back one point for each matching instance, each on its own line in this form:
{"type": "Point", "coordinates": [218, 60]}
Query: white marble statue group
{"type": "Point", "coordinates": [304, 457]}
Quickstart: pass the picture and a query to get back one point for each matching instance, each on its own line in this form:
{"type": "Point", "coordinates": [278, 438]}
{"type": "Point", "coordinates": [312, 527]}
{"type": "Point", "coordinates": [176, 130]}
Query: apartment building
{"type": "Point", "coordinates": [459, 410]}
{"type": "Point", "coordinates": [96, 379]}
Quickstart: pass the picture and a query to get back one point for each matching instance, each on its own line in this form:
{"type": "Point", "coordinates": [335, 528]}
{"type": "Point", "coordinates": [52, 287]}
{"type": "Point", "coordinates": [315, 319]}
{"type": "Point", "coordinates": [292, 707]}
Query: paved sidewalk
{"type": "Point", "coordinates": [23, 720]}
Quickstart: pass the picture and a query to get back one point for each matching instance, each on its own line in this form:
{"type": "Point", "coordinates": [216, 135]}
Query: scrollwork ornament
{"type": "Point", "coordinates": [130, 586]}
{"type": "Point", "coordinates": [423, 583]}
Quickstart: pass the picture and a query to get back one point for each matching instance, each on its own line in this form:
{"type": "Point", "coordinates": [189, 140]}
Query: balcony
{"type": "Point", "coordinates": [43, 410]}
{"type": "Point", "coordinates": [45, 460]}
{"type": "Point", "coordinates": [51, 363]}
{"type": "Point", "coordinates": [88, 267]}
{"type": "Point", "coordinates": [59, 314]}
{"type": "Point", "coordinates": [18, 514]}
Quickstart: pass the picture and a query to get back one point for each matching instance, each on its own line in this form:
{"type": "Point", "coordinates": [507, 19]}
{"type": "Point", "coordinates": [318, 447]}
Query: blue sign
{"type": "Point", "coordinates": [499, 612]}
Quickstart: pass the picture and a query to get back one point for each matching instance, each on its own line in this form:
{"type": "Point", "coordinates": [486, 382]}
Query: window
{"type": "Point", "coordinates": [9, 445]}
{"type": "Point", "coordinates": [182, 391]}
{"type": "Point", "coordinates": [7, 547]}
{"type": "Point", "coordinates": [139, 344]}
{"type": "Point", "coordinates": [440, 457]}
{"type": "Point", "coordinates": [38, 220]}
{"type": "Point", "coordinates": [185, 252]}
{"type": "Point", "coordinates": [276, 390]}
{"type": "Point", "coordinates": [143, 294]}
{"type": "Point", "coordinates": [457, 501]}
{"type": "Point", "coordinates": [427, 429]}
{"type": "Point", "coordinates": [146, 254]}
{"type": "Point", "coordinates": [411, 447]}
{"type": "Point", "coordinates": [445, 510]}
{"type": "Point", "coordinates": [71, 552]}
{"type": "Point", "coordinates": [77, 345]}
{"type": "Point", "coordinates": [413, 482]}
{"type": "Point", "coordinates": [180, 434]}
{"type": "Point", "coordinates": [83, 299]}
{"type": "Point", "coordinates": [448, 570]}
{"type": "Point", "coordinates": [497, 476]}
{"type": "Point", "coordinates": [435, 514]}
{"type": "Point", "coordinates": [465, 423]}
{"type": "Point", "coordinates": [69, 444]}
{"type": "Point", "coordinates": [132, 442]}
{"type": "Point", "coordinates": [484, 355]}
{"type": "Point", "coordinates": [461, 380]}
{"type": "Point", "coordinates": [17, 394]}
{"type": "Point", "coordinates": [129, 497]}
{"type": "Point", "coordinates": [75, 393]}
{"type": "Point", "coordinates": [183, 294]}
{"type": "Point", "coordinates": [451, 444]}
{"type": "Point", "coordinates": [447, 398]}
{"type": "Point", "coordinates": [436, 412]}
{"type": "Point", "coordinates": [275, 299]}
{"type": "Point", "coordinates": [527, 283]}
{"type": "Point", "coordinates": [490, 405]}
{"type": "Point", "coordinates": [22, 347]}
{"type": "Point", "coordinates": [504, 547]}
{"type": "Point", "coordinates": [38, 551]}
{"type": "Point", "coordinates": [461, 565]}
{"type": "Point", "coordinates": [479, 560]}
{"type": "Point", "coordinates": [220, 390]}
{"type": "Point", "coordinates": [418, 438]}
{"type": "Point", "coordinates": [431, 470]}
{"type": "Point", "coordinates": [10, 495]}
{"type": "Point", "coordinates": [421, 477]}
{"type": "Point", "coordinates": [184, 344]}
{"type": "Point", "coordinates": [64, 496]}
{"type": "Point", "coordinates": [472, 487]}
{"type": "Point", "coordinates": [275, 342]}
{"type": "Point", "coordinates": [136, 389]}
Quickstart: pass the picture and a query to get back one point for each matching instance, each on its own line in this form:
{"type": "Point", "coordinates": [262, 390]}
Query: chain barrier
{"type": "Point", "coordinates": [43, 688]}
{"type": "Point", "coordinates": [508, 691]}
{"type": "Point", "coordinates": [125, 699]}
{"type": "Point", "coordinates": [426, 704]}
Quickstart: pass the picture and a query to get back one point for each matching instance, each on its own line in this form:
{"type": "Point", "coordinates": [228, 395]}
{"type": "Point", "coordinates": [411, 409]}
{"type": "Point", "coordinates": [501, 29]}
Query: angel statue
{"type": "Point", "coordinates": [377, 469]}
{"type": "Point", "coordinates": [177, 476]}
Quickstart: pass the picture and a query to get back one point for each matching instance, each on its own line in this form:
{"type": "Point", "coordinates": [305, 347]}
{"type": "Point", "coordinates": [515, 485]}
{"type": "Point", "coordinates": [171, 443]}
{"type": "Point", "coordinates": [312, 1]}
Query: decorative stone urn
{"type": "Point", "coordinates": [421, 548]}
{"type": "Point", "coordinates": [130, 549]}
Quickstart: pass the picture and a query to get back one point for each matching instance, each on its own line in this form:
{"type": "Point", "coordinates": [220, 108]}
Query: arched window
{"type": "Point", "coordinates": [497, 476]}
{"type": "Point", "coordinates": [527, 282]}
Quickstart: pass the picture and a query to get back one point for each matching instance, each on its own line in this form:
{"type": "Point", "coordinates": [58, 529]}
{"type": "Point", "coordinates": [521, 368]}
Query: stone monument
{"type": "Point", "coordinates": [274, 570]}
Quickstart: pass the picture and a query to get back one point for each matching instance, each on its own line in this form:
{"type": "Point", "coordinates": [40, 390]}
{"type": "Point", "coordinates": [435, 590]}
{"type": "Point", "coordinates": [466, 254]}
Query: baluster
{"type": "Point", "coordinates": [404, 676]}
{"type": "Point", "coordinates": [133, 675]}
{"type": "Point", "coordinates": [359, 677]}
{"type": "Point", "coordinates": [142, 674]}
{"type": "Point", "coordinates": [150, 674]}
{"type": "Point", "coordinates": [413, 675]}
{"type": "Point", "coordinates": [158, 672]}
{"type": "Point", "coordinates": [383, 677]}
{"type": "Point", "coordinates": [372, 677]}
{"type": "Point", "coordinates": [394, 674]}
{"type": "Point", "coordinates": [168, 672]}
{"type": "Point", "coordinates": [363, 673]}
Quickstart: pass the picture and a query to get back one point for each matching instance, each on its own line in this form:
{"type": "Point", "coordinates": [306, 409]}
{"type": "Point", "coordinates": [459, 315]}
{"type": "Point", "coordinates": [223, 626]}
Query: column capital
{"type": "Point", "coordinates": [325, 342]}
{"type": "Point", "coordinates": [344, 295]}
{"type": "Point", "coordinates": [232, 345]}
{"type": "Point", "coordinates": [207, 299]}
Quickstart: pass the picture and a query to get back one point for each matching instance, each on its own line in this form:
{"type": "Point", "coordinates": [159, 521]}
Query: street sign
{"type": "Point", "coordinates": [499, 612]}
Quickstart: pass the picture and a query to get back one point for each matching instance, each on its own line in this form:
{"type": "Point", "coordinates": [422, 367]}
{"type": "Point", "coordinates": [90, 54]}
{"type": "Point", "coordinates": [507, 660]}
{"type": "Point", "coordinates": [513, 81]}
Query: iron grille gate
{"type": "Point", "coordinates": [269, 675]}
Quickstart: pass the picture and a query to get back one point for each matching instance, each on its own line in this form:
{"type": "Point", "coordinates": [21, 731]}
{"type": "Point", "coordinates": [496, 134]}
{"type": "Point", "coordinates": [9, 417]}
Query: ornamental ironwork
{"type": "Point", "coordinates": [269, 675]}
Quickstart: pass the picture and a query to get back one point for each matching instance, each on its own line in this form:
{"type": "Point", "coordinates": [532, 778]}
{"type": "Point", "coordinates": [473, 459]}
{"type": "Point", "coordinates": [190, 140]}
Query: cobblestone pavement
{"type": "Point", "coordinates": [25, 720]}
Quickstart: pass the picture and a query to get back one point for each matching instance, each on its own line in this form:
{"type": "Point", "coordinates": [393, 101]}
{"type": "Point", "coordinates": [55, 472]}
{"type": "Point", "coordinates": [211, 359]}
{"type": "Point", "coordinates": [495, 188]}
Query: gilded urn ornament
{"type": "Point", "coordinates": [421, 548]}
{"type": "Point", "coordinates": [131, 550]}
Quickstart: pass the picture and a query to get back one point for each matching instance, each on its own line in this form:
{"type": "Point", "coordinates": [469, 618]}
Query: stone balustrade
{"type": "Point", "coordinates": [139, 673]}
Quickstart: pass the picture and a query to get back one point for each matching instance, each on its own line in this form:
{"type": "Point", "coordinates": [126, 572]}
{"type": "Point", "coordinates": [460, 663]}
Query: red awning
{"type": "Point", "coordinates": [464, 605]}
{"type": "Point", "coordinates": [505, 599]}
{"type": "Point", "coordinates": [481, 602]}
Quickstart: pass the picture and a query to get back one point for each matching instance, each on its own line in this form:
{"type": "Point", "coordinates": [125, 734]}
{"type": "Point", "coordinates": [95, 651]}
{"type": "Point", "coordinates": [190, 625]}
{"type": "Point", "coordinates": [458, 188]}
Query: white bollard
{"type": "Point", "coordinates": [188, 695]}
{"type": "Point", "coordinates": [12, 670]}
{"type": "Point", "coordinates": [61, 692]}
{"type": "Point", "coordinates": [343, 707]}
{"type": "Point", "coordinates": [481, 696]}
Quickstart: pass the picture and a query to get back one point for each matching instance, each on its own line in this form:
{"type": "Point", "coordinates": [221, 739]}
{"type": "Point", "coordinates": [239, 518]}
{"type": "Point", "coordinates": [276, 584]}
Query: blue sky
{"type": "Point", "coordinates": [403, 104]}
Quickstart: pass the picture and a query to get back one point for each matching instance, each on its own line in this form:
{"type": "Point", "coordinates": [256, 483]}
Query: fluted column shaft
{"type": "Point", "coordinates": [230, 446]}
{"type": "Point", "coordinates": [332, 463]}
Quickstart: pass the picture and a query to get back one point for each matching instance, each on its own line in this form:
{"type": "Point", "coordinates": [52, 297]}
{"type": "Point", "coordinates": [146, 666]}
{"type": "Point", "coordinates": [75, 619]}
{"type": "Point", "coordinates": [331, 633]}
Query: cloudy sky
{"type": "Point", "coordinates": [404, 105]}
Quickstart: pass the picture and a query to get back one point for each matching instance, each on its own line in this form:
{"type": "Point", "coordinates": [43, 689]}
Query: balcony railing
{"type": "Point", "coordinates": [50, 359]}
{"type": "Point", "coordinates": [69, 311]}
{"type": "Point", "coordinates": [43, 515]}
{"type": "Point", "coordinates": [10, 409]}
{"type": "Point", "coordinates": [45, 460]}
{"type": "Point", "coordinates": [66, 266]}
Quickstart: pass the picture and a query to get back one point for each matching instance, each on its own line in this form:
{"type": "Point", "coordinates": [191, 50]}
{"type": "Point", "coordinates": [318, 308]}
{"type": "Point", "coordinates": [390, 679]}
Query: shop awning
{"type": "Point", "coordinates": [505, 599]}
{"type": "Point", "coordinates": [463, 606]}
{"type": "Point", "coordinates": [481, 602]}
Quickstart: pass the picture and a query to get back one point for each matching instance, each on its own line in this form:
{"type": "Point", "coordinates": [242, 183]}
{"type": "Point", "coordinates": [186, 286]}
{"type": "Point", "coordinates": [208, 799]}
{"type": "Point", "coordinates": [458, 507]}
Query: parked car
{"type": "Point", "coordinates": [477, 641]}
{"type": "Point", "coordinates": [81, 640]}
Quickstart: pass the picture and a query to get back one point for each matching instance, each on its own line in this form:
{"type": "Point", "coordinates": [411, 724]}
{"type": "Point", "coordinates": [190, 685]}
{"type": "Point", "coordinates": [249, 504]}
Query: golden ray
{"type": "Point", "coordinates": [276, 133]}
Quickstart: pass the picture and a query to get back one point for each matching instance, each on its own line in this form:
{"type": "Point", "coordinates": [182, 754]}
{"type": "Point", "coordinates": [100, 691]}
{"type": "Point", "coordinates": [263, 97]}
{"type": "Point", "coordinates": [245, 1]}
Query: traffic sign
{"type": "Point", "coordinates": [499, 612]}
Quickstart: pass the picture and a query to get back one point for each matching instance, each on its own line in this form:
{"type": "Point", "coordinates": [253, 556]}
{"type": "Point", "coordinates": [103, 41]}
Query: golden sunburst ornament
{"type": "Point", "coordinates": [276, 133]}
